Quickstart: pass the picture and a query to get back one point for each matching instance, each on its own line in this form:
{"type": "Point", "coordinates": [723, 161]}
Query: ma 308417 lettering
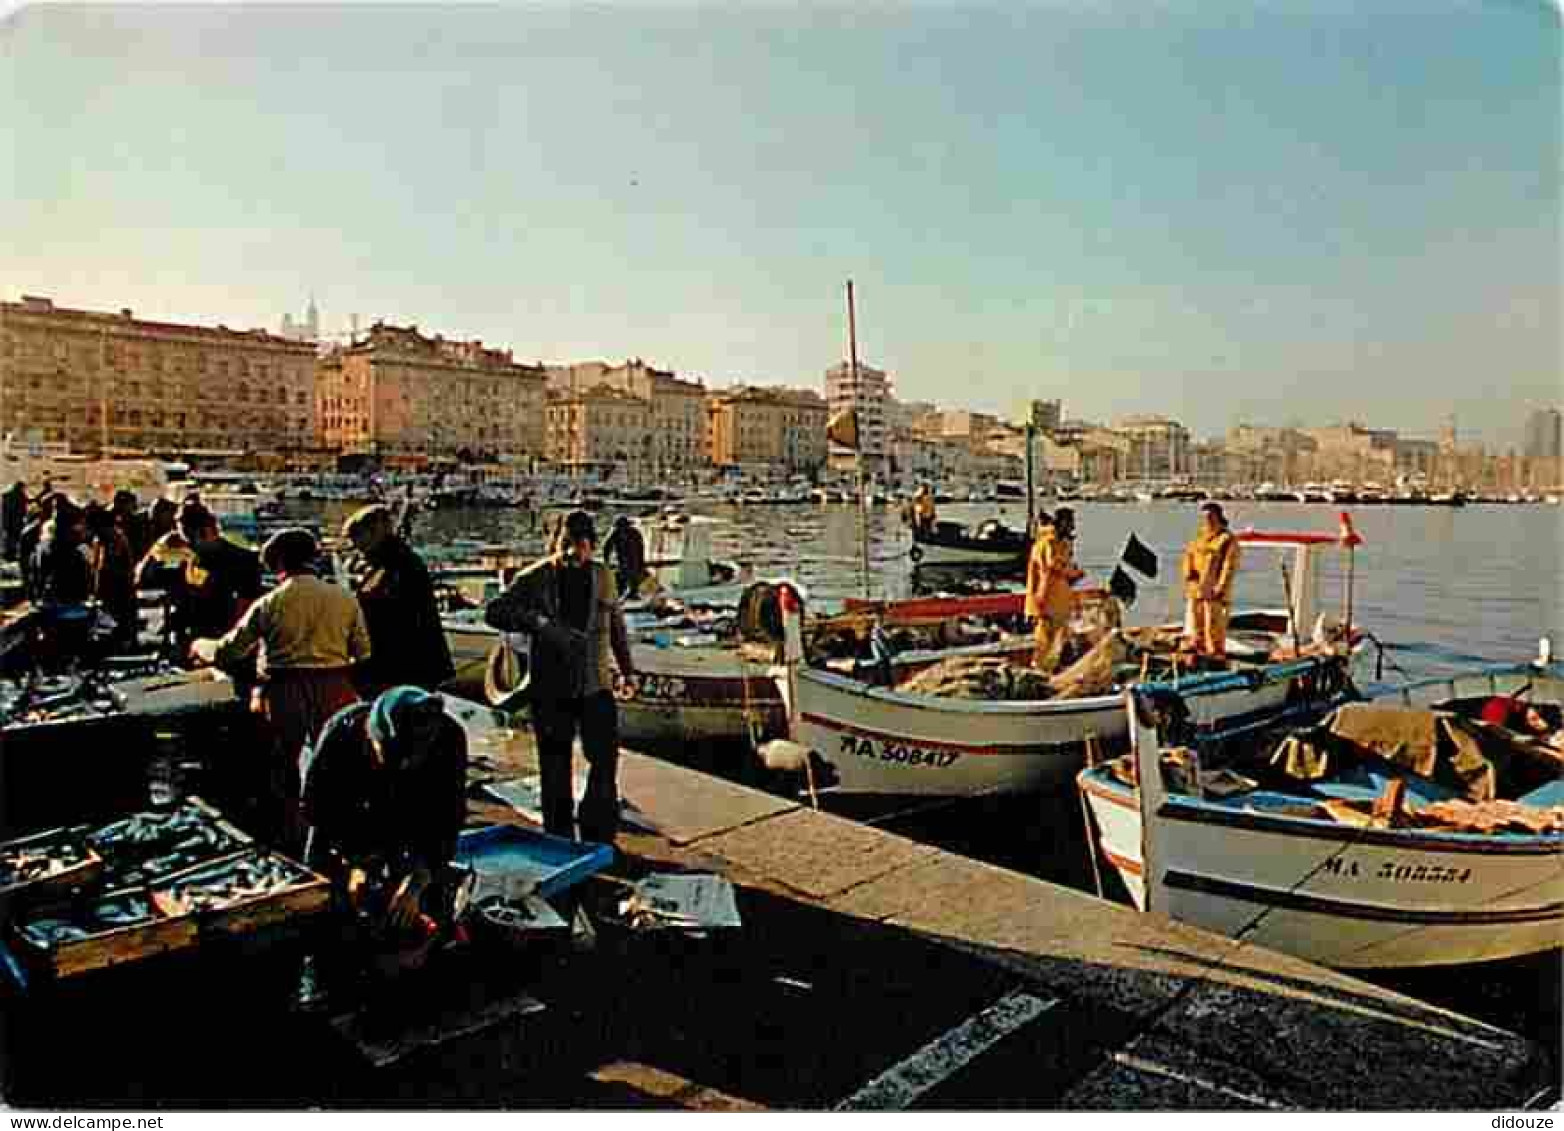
{"type": "Point", "coordinates": [897, 752]}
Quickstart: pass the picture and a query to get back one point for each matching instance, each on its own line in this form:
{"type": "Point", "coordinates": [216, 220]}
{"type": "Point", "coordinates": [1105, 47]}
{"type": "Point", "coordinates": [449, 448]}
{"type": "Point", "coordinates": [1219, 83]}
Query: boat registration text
{"type": "Point", "coordinates": [897, 752]}
{"type": "Point", "coordinates": [1399, 871]}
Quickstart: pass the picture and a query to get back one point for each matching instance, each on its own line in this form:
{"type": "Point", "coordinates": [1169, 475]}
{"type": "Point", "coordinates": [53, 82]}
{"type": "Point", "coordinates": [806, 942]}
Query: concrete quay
{"type": "Point", "coordinates": [871, 973]}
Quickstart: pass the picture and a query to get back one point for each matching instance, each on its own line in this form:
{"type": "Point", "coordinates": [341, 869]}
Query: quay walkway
{"type": "Point", "coordinates": [871, 973]}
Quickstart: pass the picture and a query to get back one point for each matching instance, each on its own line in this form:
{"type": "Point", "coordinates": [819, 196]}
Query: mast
{"type": "Point", "coordinates": [1031, 506]}
{"type": "Point", "coordinates": [863, 498]}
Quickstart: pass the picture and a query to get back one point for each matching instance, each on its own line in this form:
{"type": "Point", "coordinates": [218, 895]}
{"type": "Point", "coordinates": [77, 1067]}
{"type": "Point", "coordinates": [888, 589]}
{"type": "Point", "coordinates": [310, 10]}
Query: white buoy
{"type": "Point", "coordinates": [1544, 651]}
{"type": "Point", "coordinates": [785, 756]}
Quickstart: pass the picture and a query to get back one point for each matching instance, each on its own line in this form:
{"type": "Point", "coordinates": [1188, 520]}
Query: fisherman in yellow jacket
{"type": "Point", "coordinates": [1210, 563]}
{"type": "Point", "coordinates": [1050, 571]}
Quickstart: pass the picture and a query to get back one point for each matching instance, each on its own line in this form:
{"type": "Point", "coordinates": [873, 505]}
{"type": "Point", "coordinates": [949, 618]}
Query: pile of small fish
{"type": "Point", "coordinates": [38, 860]}
{"type": "Point", "coordinates": [146, 847]}
{"type": "Point", "coordinates": [111, 913]}
{"type": "Point", "coordinates": [228, 883]}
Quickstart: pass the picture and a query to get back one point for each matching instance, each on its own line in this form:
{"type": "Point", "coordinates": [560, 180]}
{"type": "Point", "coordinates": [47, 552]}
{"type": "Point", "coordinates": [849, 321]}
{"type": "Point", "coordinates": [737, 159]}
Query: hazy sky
{"type": "Point", "coordinates": [1302, 211]}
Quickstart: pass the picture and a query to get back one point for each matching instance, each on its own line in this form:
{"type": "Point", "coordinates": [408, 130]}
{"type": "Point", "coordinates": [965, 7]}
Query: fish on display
{"type": "Point", "coordinates": [49, 933]}
{"type": "Point", "coordinates": [38, 860]}
{"type": "Point", "coordinates": [226, 884]}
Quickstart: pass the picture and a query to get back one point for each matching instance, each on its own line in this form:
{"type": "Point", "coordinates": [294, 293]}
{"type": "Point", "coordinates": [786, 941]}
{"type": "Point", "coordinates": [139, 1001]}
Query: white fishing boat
{"type": "Point", "coordinates": [1371, 865]}
{"type": "Point", "coordinates": [877, 740]}
{"type": "Point", "coordinates": [880, 740]}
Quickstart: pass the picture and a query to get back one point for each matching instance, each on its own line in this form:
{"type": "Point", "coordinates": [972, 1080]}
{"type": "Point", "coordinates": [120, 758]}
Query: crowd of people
{"type": "Point", "coordinates": [363, 774]}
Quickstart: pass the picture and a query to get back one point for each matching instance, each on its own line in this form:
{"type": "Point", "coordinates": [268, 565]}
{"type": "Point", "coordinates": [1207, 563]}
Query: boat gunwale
{"type": "Point", "coordinates": [1195, 810]}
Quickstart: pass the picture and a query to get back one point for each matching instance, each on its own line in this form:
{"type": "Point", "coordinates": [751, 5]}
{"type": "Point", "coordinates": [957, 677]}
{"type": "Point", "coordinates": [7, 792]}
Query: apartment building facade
{"type": "Point", "coordinates": [117, 383]}
{"type": "Point", "coordinates": [406, 399]}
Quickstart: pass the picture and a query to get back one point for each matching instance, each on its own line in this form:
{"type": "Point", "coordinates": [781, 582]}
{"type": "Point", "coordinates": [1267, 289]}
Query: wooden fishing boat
{"type": "Point", "coordinates": [877, 740]}
{"type": "Point", "coordinates": [880, 740]}
{"type": "Point", "coordinates": [1350, 870]}
{"type": "Point", "coordinates": [989, 544]}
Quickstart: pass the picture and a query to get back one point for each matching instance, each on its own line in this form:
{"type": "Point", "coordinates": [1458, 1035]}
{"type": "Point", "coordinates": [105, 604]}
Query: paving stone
{"type": "Point", "coordinates": [815, 853]}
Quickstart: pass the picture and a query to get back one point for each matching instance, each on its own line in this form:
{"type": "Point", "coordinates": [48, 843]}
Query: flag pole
{"type": "Point", "coordinates": [863, 498]}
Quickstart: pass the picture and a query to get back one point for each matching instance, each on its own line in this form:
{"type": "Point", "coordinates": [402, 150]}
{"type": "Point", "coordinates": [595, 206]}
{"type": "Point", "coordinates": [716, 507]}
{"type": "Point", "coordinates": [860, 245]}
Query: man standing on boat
{"type": "Point", "coordinates": [1050, 571]}
{"type": "Point", "coordinates": [1210, 564]}
{"type": "Point", "coordinates": [923, 514]}
{"type": "Point", "coordinates": [568, 604]}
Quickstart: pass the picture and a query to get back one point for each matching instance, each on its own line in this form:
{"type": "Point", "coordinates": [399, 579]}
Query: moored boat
{"type": "Point", "coordinates": [881, 740]}
{"type": "Point", "coordinates": [989, 544]}
{"type": "Point", "coordinates": [1361, 844]}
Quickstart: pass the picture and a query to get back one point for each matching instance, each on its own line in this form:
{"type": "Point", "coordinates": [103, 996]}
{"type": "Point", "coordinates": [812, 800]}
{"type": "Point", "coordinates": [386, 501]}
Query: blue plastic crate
{"type": "Point", "coordinates": [549, 864]}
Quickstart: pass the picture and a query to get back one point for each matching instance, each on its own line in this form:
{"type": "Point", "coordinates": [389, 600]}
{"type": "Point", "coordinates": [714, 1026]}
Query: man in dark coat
{"type": "Point", "coordinates": [61, 570]}
{"type": "Point", "coordinates": [385, 797]}
{"type": "Point", "coordinates": [625, 552]}
{"type": "Point", "coordinates": [568, 604]}
{"type": "Point", "coordinates": [407, 641]}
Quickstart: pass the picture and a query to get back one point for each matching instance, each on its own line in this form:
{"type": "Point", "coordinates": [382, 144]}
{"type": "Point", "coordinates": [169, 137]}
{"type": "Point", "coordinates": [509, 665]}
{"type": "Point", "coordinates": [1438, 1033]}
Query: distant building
{"type": "Point", "coordinates": [903, 417]}
{"type": "Point", "coordinates": [1045, 416]}
{"type": "Point", "coordinates": [677, 406]}
{"type": "Point", "coordinates": [767, 429]}
{"type": "Point", "coordinates": [306, 330]}
{"type": "Point", "coordinates": [95, 380]}
{"type": "Point", "coordinates": [1543, 433]}
{"type": "Point", "coordinates": [868, 396]}
{"type": "Point", "coordinates": [596, 431]}
{"type": "Point", "coordinates": [406, 398]}
{"type": "Point", "coordinates": [1159, 447]}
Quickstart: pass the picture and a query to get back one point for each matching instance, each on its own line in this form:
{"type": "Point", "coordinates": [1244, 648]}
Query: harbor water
{"type": "Point", "coordinates": [1439, 587]}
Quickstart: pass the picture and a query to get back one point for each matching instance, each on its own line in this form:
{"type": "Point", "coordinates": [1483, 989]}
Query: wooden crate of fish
{"type": "Point", "coordinates": [243, 894]}
{"type": "Point", "coordinates": [68, 939]}
{"type": "Point", "coordinates": [45, 864]}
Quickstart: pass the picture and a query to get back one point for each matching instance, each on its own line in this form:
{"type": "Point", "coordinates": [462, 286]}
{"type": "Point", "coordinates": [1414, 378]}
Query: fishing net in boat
{"type": "Point", "coordinates": [1097, 672]}
{"type": "Point", "coordinates": [978, 677]}
{"type": "Point", "coordinates": [996, 679]}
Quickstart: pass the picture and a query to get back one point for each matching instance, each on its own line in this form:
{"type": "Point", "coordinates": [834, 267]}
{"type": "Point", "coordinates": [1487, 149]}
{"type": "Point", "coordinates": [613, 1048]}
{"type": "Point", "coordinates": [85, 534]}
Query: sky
{"type": "Point", "coordinates": [1275, 212]}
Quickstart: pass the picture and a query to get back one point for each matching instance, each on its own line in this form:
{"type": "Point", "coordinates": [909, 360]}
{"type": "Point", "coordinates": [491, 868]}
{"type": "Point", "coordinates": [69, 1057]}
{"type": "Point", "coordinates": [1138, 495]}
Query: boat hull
{"type": "Point", "coordinates": [681, 695]}
{"type": "Point", "coordinates": [1399, 900]}
{"type": "Point", "coordinates": [880, 741]}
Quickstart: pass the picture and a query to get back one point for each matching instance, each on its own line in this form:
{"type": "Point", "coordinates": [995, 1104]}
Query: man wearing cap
{"type": "Point", "coordinates": [308, 635]}
{"type": "Point", "coordinates": [1210, 563]}
{"type": "Point", "coordinates": [1050, 571]}
{"type": "Point", "coordinates": [407, 641]}
{"type": "Point", "coordinates": [568, 604]}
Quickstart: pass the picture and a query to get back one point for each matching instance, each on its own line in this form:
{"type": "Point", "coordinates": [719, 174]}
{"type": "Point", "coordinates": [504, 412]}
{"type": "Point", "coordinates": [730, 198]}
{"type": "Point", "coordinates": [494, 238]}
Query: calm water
{"type": "Point", "coordinates": [1440, 586]}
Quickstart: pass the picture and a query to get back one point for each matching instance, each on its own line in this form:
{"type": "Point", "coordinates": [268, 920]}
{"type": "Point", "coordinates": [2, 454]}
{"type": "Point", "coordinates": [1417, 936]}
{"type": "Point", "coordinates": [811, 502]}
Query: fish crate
{"type": "Point", "coordinates": [175, 692]}
{"type": "Point", "coordinates": [513, 861]}
{"type": "Point", "coordinates": [99, 944]}
{"type": "Point", "coordinates": [143, 849]}
{"type": "Point", "coordinates": [17, 891]}
{"type": "Point", "coordinates": [297, 894]}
